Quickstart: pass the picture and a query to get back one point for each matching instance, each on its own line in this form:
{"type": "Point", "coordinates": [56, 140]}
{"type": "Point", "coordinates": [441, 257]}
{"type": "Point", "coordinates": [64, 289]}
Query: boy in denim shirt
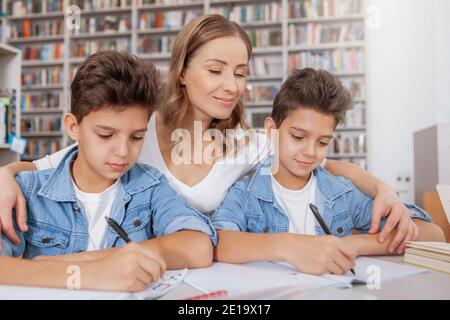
{"type": "Point", "coordinates": [267, 216]}
{"type": "Point", "coordinates": [113, 96]}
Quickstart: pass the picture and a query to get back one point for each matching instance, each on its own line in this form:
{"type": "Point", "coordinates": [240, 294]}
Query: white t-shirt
{"type": "Point", "coordinates": [295, 204]}
{"type": "Point", "coordinates": [206, 195]}
{"type": "Point", "coordinates": [97, 206]}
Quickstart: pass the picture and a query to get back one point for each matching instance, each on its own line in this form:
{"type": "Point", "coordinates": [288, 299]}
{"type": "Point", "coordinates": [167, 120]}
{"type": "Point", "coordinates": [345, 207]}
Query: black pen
{"type": "Point", "coordinates": [118, 229]}
{"type": "Point", "coordinates": [322, 223]}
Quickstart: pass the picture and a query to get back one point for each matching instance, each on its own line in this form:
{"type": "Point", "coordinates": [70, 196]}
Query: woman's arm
{"type": "Point", "coordinates": [11, 197]}
{"type": "Point", "coordinates": [366, 182]}
{"type": "Point", "coordinates": [386, 203]}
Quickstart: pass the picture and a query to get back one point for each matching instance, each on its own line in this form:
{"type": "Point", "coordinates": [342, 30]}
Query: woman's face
{"type": "Point", "coordinates": [215, 77]}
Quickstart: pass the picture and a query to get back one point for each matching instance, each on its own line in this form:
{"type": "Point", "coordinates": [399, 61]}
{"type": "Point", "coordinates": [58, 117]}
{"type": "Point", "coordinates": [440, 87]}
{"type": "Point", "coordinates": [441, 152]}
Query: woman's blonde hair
{"type": "Point", "coordinates": [196, 33]}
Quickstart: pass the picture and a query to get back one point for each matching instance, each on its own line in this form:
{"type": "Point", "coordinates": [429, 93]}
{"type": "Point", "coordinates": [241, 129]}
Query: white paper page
{"type": "Point", "coordinates": [252, 277]}
{"type": "Point", "coordinates": [369, 269]}
{"type": "Point", "coordinates": [168, 282]}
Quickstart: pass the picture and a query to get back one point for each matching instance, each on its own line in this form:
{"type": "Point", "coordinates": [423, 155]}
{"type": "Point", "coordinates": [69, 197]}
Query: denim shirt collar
{"type": "Point", "coordinates": [328, 190]}
{"type": "Point", "coordinates": [137, 179]}
{"type": "Point", "coordinates": [329, 186]}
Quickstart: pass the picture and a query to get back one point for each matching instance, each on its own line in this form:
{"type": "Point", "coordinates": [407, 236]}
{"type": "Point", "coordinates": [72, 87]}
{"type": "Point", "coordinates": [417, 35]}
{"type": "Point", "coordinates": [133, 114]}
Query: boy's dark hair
{"type": "Point", "coordinates": [112, 79]}
{"type": "Point", "coordinates": [318, 90]}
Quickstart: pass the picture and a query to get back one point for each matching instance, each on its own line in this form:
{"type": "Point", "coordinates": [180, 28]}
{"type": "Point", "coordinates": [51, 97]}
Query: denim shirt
{"type": "Point", "coordinates": [145, 206]}
{"type": "Point", "coordinates": [250, 205]}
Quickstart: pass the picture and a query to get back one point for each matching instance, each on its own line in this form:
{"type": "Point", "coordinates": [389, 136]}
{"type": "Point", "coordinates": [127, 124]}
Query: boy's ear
{"type": "Point", "coordinates": [71, 125]}
{"type": "Point", "coordinates": [270, 127]}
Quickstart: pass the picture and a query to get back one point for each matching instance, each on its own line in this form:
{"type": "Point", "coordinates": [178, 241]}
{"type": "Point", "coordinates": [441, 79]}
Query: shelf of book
{"type": "Point", "coordinates": [42, 134]}
{"type": "Point", "coordinates": [36, 16]}
{"type": "Point", "coordinates": [285, 34]}
{"type": "Point", "coordinates": [40, 111]}
{"type": "Point", "coordinates": [104, 11]}
{"type": "Point", "coordinates": [144, 5]}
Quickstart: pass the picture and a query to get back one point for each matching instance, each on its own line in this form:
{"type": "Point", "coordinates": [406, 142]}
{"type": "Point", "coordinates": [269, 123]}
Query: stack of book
{"type": "Point", "coordinates": [432, 255]}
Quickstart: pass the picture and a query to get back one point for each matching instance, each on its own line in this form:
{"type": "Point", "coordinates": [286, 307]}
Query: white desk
{"type": "Point", "coordinates": [430, 285]}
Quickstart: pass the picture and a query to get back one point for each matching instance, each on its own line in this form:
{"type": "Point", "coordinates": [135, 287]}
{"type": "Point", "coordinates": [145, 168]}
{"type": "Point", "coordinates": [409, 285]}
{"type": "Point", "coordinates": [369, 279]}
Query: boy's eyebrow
{"type": "Point", "coordinates": [226, 63]}
{"type": "Point", "coordinates": [114, 129]}
{"type": "Point", "coordinates": [306, 131]}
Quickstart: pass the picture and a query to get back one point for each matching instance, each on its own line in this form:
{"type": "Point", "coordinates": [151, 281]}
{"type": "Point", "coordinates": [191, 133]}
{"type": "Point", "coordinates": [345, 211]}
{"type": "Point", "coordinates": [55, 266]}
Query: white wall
{"type": "Point", "coordinates": [402, 76]}
{"type": "Point", "coordinates": [443, 59]}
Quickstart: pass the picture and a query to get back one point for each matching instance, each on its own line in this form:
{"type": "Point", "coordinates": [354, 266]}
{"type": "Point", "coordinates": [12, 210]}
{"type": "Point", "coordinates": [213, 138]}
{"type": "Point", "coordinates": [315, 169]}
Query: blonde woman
{"type": "Point", "coordinates": [204, 95]}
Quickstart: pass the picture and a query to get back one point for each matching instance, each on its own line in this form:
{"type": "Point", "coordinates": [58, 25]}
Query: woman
{"type": "Point", "coordinates": [207, 79]}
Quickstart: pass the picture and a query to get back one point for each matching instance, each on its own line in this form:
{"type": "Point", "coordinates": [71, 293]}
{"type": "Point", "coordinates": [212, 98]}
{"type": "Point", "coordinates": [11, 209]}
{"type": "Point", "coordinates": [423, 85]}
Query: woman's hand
{"type": "Point", "coordinates": [388, 204]}
{"type": "Point", "coordinates": [11, 197]}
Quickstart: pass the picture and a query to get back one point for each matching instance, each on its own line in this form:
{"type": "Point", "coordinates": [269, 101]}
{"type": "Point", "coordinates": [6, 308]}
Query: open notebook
{"type": "Point", "coordinates": [272, 280]}
{"type": "Point", "coordinates": [168, 282]}
{"type": "Point", "coordinates": [371, 270]}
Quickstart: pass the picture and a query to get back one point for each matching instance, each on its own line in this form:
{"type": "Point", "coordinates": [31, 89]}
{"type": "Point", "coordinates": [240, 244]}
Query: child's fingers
{"type": "Point", "coordinates": [142, 282]}
{"type": "Point", "coordinates": [145, 277]}
{"type": "Point", "coordinates": [154, 256]}
{"type": "Point", "coordinates": [335, 268]}
{"type": "Point", "coordinates": [151, 268]}
{"type": "Point", "coordinates": [344, 263]}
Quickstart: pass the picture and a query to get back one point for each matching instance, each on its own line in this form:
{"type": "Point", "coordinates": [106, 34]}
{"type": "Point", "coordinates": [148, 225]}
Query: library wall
{"type": "Point", "coordinates": [323, 34]}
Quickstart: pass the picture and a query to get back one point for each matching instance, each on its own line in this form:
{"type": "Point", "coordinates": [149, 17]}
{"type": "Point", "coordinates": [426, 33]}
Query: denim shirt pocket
{"type": "Point", "coordinates": [342, 223]}
{"type": "Point", "coordinates": [137, 223]}
{"type": "Point", "coordinates": [44, 239]}
{"type": "Point", "coordinates": [256, 223]}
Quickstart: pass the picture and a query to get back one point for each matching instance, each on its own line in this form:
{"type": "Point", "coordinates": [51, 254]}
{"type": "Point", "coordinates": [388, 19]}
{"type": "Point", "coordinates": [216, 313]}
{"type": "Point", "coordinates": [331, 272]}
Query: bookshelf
{"type": "Point", "coordinates": [10, 64]}
{"type": "Point", "coordinates": [286, 34]}
{"type": "Point", "coordinates": [37, 28]}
